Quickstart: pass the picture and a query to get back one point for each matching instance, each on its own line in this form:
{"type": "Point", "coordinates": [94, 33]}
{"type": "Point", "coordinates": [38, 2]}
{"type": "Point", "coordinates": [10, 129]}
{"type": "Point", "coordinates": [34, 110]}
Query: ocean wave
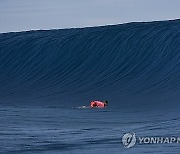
{"type": "Point", "coordinates": [134, 62]}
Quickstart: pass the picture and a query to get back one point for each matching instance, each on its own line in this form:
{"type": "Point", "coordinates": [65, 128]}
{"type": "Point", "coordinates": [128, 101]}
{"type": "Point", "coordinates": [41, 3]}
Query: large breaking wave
{"type": "Point", "coordinates": [128, 63]}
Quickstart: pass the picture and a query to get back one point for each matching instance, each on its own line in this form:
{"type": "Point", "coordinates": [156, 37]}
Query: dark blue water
{"type": "Point", "coordinates": [46, 75]}
{"type": "Point", "coordinates": [43, 129]}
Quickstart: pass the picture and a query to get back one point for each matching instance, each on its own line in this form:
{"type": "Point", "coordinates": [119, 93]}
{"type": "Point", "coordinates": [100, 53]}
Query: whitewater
{"type": "Point", "coordinates": [46, 76]}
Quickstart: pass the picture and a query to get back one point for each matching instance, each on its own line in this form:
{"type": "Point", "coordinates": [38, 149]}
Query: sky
{"type": "Point", "coordinates": [22, 15]}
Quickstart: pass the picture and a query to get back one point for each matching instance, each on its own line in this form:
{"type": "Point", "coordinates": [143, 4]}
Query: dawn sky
{"type": "Point", "coordinates": [20, 15]}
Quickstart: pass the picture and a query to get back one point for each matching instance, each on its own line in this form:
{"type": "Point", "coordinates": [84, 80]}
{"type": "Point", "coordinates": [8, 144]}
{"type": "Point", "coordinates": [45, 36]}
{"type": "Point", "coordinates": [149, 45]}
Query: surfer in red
{"type": "Point", "coordinates": [98, 104]}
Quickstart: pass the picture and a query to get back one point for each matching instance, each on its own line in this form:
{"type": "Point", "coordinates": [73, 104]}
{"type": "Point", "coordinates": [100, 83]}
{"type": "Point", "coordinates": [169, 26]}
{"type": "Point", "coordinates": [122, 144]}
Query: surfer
{"type": "Point", "coordinates": [98, 104]}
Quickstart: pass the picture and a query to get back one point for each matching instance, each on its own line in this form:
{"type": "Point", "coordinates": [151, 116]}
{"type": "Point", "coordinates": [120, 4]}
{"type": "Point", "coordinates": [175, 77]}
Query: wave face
{"type": "Point", "coordinates": [128, 63]}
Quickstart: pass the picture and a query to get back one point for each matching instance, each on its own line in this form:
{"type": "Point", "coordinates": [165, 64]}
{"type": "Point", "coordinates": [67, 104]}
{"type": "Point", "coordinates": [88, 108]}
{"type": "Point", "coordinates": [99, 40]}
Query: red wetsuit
{"type": "Point", "coordinates": [98, 104]}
